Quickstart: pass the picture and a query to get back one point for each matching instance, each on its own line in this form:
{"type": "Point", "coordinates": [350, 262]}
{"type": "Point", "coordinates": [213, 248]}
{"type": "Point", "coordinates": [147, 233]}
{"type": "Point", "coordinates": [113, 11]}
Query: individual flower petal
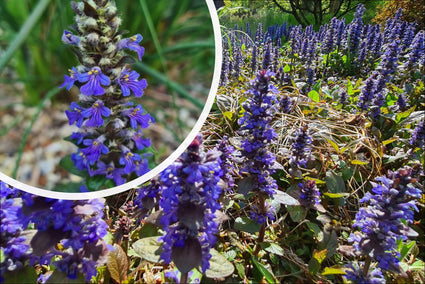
{"type": "Point", "coordinates": [133, 44]}
{"type": "Point", "coordinates": [95, 149]}
{"type": "Point", "coordinates": [74, 115]}
{"type": "Point", "coordinates": [70, 80]}
{"type": "Point", "coordinates": [94, 78]}
{"type": "Point", "coordinates": [95, 114]}
{"type": "Point", "coordinates": [128, 160]}
{"type": "Point", "coordinates": [69, 38]}
{"type": "Point", "coordinates": [129, 81]}
{"type": "Point", "coordinates": [137, 117]}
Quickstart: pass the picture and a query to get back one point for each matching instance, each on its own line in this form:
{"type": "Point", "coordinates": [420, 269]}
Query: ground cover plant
{"type": "Point", "coordinates": [308, 170]}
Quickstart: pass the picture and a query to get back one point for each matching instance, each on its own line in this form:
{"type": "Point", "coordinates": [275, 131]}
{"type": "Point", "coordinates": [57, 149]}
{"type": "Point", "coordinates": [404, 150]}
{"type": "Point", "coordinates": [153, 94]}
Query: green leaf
{"type": "Point", "coordinates": [228, 115]}
{"type": "Point", "coordinates": [272, 248]}
{"type": "Point", "coordinates": [400, 116]}
{"type": "Point", "coordinates": [320, 255]}
{"type": "Point", "coordinates": [336, 195]}
{"type": "Point", "coordinates": [406, 249]}
{"type": "Point", "coordinates": [417, 265]}
{"type": "Point", "coordinates": [334, 145]}
{"type": "Point", "coordinates": [94, 183]}
{"type": "Point", "coordinates": [316, 260]}
{"type": "Point", "coordinates": [149, 249]}
{"type": "Point", "coordinates": [358, 162]}
{"type": "Point", "coordinates": [287, 68]}
{"type": "Point", "coordinates": [263, 270]}
{"type": "Point", "coordinates": [318, 181]}
{"type": "Point", "coordinates": [24, 275]}
{"type": "Point", "coordinates": [334, 182]}
{"type": "Point", "coordinates": [333, 270]}
{"type": "Point", "coordinates": [69, 187]}
{"type": "Point", "coordinates": [389, 141]}
{"type": "Point", "coordinates": [316, 230]}
{"type": "Point", "coordinates": [60, 277]}
{"type": "Point", "coordinates": [284, 198]}
{"type": "Point", "coordinates": [314, 95]}
{"type": "Point", "coordinates": [297, 213]}
{"type": "Point", "coordinates": [68, 165]}
{"type": "Point", "coordinates": [117, 264]}
{"type": "Point", "coordinates": [240, 268]}
{"type": "Point", "coordinates": [247, 225]}
{"type": "Point", "coordinates": [220, 267]}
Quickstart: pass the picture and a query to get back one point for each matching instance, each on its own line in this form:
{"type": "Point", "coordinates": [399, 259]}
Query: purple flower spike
{"type": "Point", "coordinates": [95, 149]}
{"type": "Point", "coordinates": [95, 112]}
{"type": "Point", "coordinates": [74, 115]}
{"type": "Point", "coordinates": [129, 81]}
{"type": "Point", "coordinates": [70, 80]}
{"type": "Point", "coordinates": [69, 38]}
{"type": "Point", "coordinates": [95, 78]}
{"type": "Point", "coordinates": [129, 159]}
{"type": "Point", "coordinates": [133, 44]}
{"type": "Point", "coordinates": [137, 117]}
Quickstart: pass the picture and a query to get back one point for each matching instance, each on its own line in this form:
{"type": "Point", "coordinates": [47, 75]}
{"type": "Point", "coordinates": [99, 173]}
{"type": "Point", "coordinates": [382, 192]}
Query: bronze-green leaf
{"type": "Point", "coordinates": [117, 264]}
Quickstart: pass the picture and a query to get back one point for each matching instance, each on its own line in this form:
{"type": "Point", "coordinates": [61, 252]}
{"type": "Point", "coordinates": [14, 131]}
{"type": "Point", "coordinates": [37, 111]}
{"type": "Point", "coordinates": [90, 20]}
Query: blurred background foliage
{"type": "Point", "coordinates": [178, 38]}
{"type": "Point", "coordinates": [178, 65]}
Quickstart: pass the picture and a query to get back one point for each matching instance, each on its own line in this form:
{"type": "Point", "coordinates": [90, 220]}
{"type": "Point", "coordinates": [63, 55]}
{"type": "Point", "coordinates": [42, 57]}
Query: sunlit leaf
{"type": "Point", "coordinates": [117, 264]}
{"type": "Point", "coordinates": [314, 95]}
{"type": "Point", "coordinates": [333, 270]}
{"type": "Point", "coordinates": [149, 248]}
{"type": "Point", "coordinates": [358, 162]}
{"type": "Point", "coordinates": [220, 267]}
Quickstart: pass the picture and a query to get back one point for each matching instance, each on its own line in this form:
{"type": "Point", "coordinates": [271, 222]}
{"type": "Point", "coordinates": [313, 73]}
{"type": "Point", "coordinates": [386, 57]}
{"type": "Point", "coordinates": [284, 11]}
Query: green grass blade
{"type": "Point", "coordinates": [187, 46]}
{"type": "Point", "coordinates": [172, 85]}
{"type": "Point", "coordinates": [40, 106]}
{"type": "Point", "coordinates": [23, 33]}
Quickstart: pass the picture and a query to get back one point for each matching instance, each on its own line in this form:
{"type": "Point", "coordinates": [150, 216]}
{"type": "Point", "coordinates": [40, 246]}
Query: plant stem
{"type": "Point", "coordinates": [260, 238]}
{"type": "Point", "coordinates": [184, 278]}
{"type": "Point", "coordinates": [366, 266]}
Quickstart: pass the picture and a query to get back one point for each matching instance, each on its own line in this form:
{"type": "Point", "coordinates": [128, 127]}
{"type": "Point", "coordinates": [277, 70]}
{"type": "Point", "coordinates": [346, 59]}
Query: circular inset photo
{"type": "Point", "coordinates": [97, 96]}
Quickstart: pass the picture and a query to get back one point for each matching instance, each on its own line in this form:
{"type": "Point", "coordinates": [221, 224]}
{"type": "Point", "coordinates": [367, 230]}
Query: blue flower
{"type": "Point", "coordinates": [137, 117]}
{"type": "Point", "coordinates": [74, 115]}
{"type": "Point", "coordinates": [309, 193]}
{"type": "Point", "coordinates": [133, 44]}
{"type": "Point", "coordinates": [94, 78]}
{"type": "Point", "coordinates": [110, 171]}
{"type": "Point", "coordinates": [129, 81]}
{"type": "Point", "coordinates": [356, 275]}
{"type": "Point", "coordinates": [391, 201]}
{"type": "Point", "coordinates": [95, 114]}
{"type": "Point", "coordinates": [141, 143]}
{"type": "Point", "coordinates": [128, 159]}
{"type": "Point", "coordinates": [70, 80]}
{"type": "Point", "coordinates": [418, 135]}
{"type": "Point", "coordinates": [95, 149]}
{"type": "Point", "coordinates": [80, 160]}
{"type": "Point", "coordinates": [258, 133]}
{"type": "Point", "coordinates": [189, 200]}
{"type": "Point", "coordinates": [69, 38]}
{"type": "Point", "coordinates": [301, 148]}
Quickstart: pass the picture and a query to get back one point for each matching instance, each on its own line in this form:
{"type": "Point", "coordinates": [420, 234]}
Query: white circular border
{"type": "Point", "coordinates": [170, 159]}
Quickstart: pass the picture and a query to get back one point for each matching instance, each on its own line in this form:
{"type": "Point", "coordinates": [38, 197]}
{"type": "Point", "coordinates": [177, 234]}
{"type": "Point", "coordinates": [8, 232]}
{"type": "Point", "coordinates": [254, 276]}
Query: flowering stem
{"type": "Point", "coordinates": [184, 278]}
{"type": "Point", "coordinates": [260, 238]}
{"type": "Point", "coordinates": [366, 266]}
